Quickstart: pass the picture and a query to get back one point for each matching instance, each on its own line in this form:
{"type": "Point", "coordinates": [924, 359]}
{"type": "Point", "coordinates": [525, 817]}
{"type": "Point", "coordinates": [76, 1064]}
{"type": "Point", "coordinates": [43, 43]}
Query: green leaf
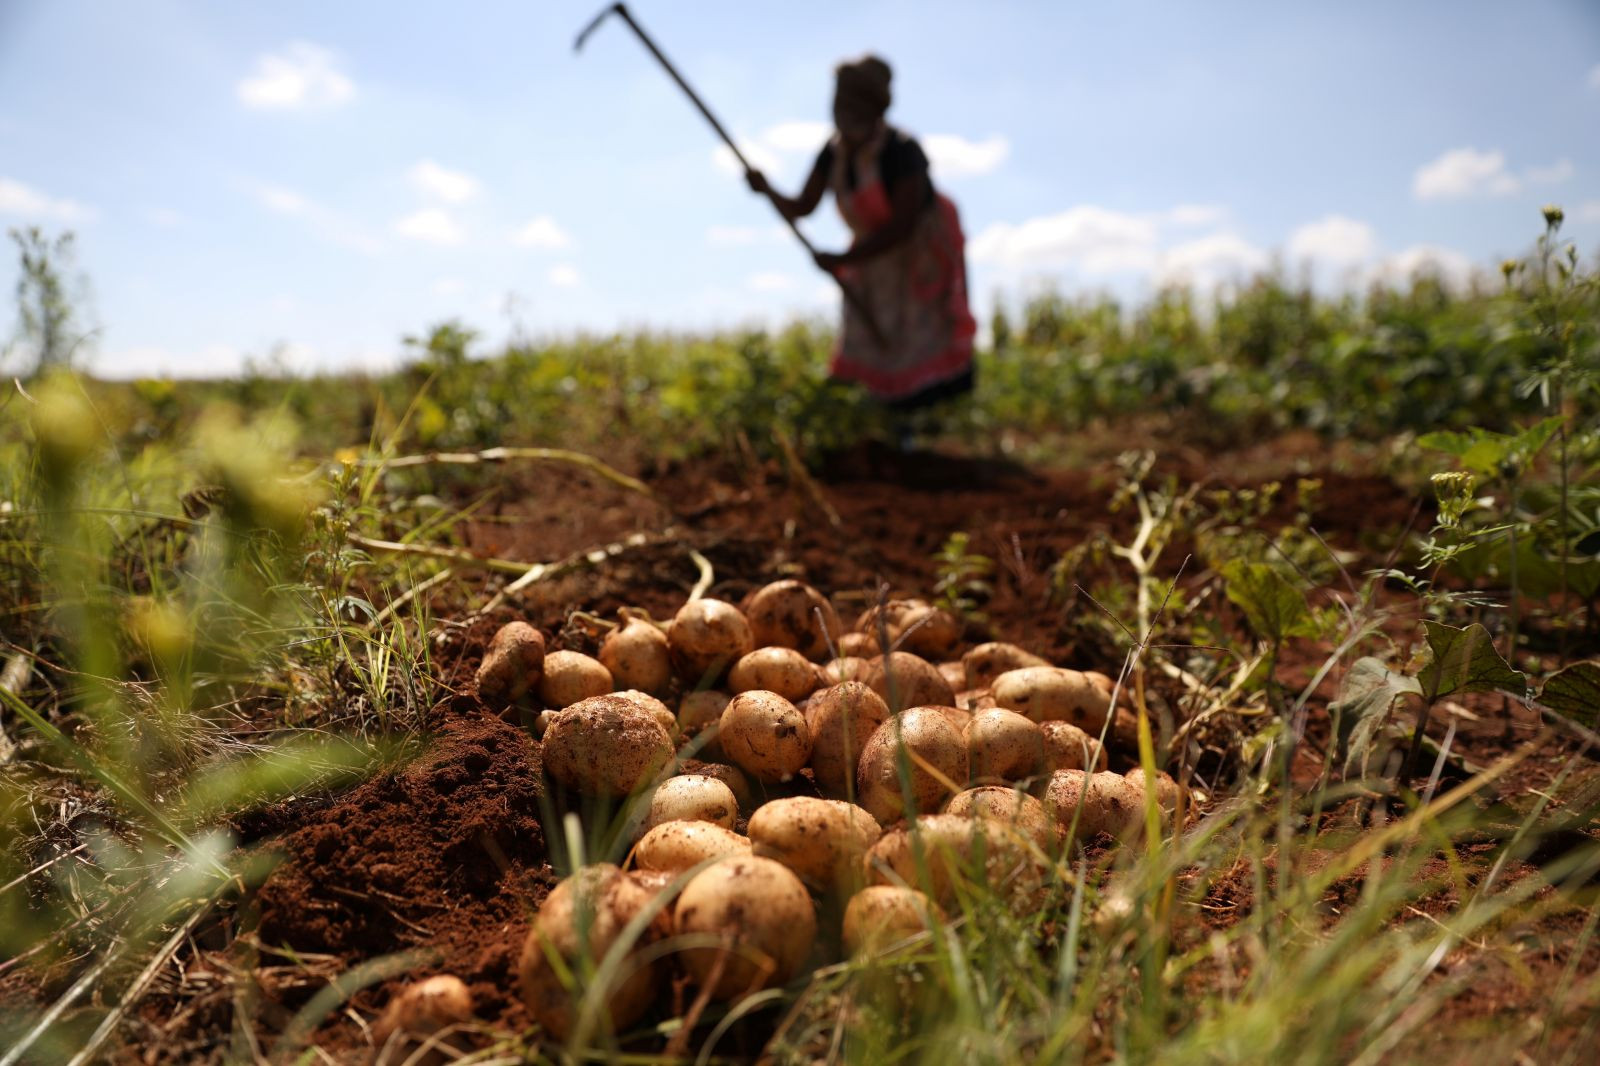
{"type": "Point", "coordinates": [1465, 660]}
{"type": "Point", "coordinates": [1366, 696]}
{"type": "Point", "coordinates": [1575, 693]}
{"type": "Point", "coordinates": [1477, 449]}
{"type": "Point", "coordinates": [1274, 608]}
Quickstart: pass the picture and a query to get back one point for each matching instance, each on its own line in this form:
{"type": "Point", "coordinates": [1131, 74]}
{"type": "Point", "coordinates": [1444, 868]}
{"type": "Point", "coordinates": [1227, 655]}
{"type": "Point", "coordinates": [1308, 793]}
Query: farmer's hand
{"type": "Point", "coordinates": [757, 182]}
{"type": "Point", "coordinates": [829, 261]}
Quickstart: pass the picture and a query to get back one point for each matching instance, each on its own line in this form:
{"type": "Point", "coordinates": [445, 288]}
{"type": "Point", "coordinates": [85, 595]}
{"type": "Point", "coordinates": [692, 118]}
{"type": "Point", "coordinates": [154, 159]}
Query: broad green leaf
{"type": "Point", "coordinates": [1483, 451]}
{"type": "Point", "coordinates": [1274, 608]}
{"type": "Point", "coordinates": [1366, 695]}
{"type": "Point", "coordinates": [1465, 660]}
{"type": "Point", "coordinates": [1575, 693]}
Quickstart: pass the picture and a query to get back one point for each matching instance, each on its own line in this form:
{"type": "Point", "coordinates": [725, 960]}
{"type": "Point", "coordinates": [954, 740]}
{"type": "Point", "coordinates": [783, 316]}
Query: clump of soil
{"type": "Point", "coordinates": [446, 854]}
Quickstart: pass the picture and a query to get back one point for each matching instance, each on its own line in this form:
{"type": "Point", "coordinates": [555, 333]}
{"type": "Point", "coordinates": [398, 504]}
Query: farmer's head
{"type": "Point", "coordinates": [860, 98]}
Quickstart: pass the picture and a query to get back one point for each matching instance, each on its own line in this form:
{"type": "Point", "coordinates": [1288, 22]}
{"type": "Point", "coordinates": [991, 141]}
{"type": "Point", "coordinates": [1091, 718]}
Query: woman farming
{"type": "Point", "coordinates": [906, 263]}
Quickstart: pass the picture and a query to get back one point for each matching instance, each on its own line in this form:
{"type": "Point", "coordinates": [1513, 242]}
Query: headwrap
{"type": "Point", "coordinates": [863, 83]}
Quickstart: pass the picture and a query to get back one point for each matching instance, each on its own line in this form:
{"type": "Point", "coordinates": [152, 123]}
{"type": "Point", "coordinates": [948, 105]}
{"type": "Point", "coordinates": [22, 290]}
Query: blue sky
{"type": "Point", "coordinates": [318, 179]}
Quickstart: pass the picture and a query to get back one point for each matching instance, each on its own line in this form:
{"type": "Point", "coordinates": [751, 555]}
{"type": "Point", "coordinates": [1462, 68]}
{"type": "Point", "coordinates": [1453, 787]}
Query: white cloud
{"type": "Point", "coordinates": [1402, 267]}
{"type": "Point", "coordinates": [1092, 239]}
{"type": "Point", "coordinates": [1554, 174]}
{"type": "Point", "coordinates": [1208, 260]}
{"type": "Point", "coordinates": [19, 199]}
{"type": "Point", "coordinates": [1464, 172]}
{"type": "Point", "coordinates": [1334, 241]}
{"type": "Point", "coordinates": [564, 275]}
{"type": "Point", "coordinates": [281, 200]}
{"type": "Point", "coordinates": [1197, 214]}
{"type": "Point", "coordinates": [451, 186]}
{"type": "Point", "coordinates": [797, 135]}
{"type": "Point", "coordinates": [301, 75]}
{"type": "Point", "coordinates": [1588, 211]}
{"type": "Point", "coordinates": [326, 223]}
{"type": "Point", "coordinates": [770, 281]}
{"type": "Point", "coordinates": [542, 232]}
{"type": "Point", "coordinates": [431, 225]}
{"type": "Point", "coordinates": [953, 156]}
{"type": "Point", "coordinates": [759, 156]}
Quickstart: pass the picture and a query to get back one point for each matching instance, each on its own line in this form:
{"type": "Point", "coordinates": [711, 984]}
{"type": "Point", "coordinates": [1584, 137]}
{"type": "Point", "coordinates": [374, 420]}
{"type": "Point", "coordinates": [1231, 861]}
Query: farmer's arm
{"type": "Point", "coordinates": [797, 206]}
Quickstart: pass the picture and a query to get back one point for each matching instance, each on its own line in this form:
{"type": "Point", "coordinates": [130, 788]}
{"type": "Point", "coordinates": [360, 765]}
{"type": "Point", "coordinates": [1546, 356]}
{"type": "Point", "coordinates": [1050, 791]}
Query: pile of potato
{"type": "Point", "coordinates": [924, 766]}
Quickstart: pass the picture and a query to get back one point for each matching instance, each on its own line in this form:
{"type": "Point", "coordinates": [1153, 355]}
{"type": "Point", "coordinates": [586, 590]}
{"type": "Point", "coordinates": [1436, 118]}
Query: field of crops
{"type": "Point", "coordinates": [1240, 703]}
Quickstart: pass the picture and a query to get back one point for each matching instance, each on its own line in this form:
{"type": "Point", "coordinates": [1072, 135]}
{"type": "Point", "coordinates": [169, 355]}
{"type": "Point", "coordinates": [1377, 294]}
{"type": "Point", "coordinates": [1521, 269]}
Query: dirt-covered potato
{"type": "Point", "coordinates": [605, 746]}
{"type": "Point", "coordinates": [842, 718]}
{"type": "Point", "coordinates": [858, 646]}
{"type": "Point", "coordinates": [1066, 747]}
{"type": "Point", "coordinates": [512, 665]}
{"type": "Point", "coordinates": [699, 717]}
{"type": "Point", "coordinates": [731, 776]}
{"type": "Point", "coordinates": [1168, 792]}
{"type": "Point", "coordinates": [1003, 746]}
{"type": "Point", "coordinates": [585, 915]}
{"type": "Point", "coordinates": [764, 735]}
{"type": "Point", "coordinates": [636, 654]}
{"type": "Point", "coordinates": [915, 626]}
{"type": "Point", "coordinates": [541, 724]}
{"type": "Point", "coordinates": [975, 700]}
{"type": "Point", "coordinates": [675, 846]}
{"type": "Point", "coordinates": [1053, 694]}
{"type": "Point", "coordinates": [570, 676]}
{"type": "Point", "coordinates": [692, 798]}
{"type": "Point", "coordinates": [781, 670]}
{"type": "Point", "coordinates": [764, 916]}
{"type": "Point", "coordinates": [954, 674]}
{"type": "Point", "coordinates": [823, 841]}
{"type": "Point", "coordinates": [658, 710]}
{"type": "Point", "coordinates": [904, 680]}
{"type": "Point", "coordinates": [985, 663]}
{"type": "Point", "coordinates": [1016, 811]}
{"type": "Point", "coordinates": [1101, 802]}
{"type": "Point", "coordinates": [792, 614]}
{"type": "Point", "coordinates": [935, 761]}
{"type": "Point", "coordinates": [845, 668]}
{"type": "Point", "coordinates": [881, 916]}
{"type": "Point", "coordinates": [424, 1008]}
{"type": "Point", "coordinates": [954, 847]}
{"type": "Point", "coordinates": [705, 639]}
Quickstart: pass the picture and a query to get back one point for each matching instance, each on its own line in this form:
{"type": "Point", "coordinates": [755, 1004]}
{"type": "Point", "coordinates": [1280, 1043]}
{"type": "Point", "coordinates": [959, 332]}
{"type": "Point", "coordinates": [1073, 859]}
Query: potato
{"type": "Point", "coordinates": [512, 665]}
{"type": "Point", "coordinates": [985, 663]}
{"type": "Point", "coordinates": [823, 841]}
{"type": "Point", "coordinates": [692, 798]}
{"type": "Point", "coordinates": [858, 646]}
{"type": "Point", "coordinates": [1102, 802]}
{"type": "Point", "coordinates": [657, 710]}
{"type": "Point", "coordinates": [699, 718]}
{"type": "Point", "coordinates": [785, 614]}
{"type": "Point", "coordinates": [585, 915]}
{"type": "Point", "coordinates": [764, 735]}
{"type": "Point", "coordinates": [954, 674]}
{"type": "Point", "coordinates": [636, 654]}
{"type": "Point", "coordinates": [1053, 694]}
{"type": "Point", "coordinates": [975, 700]}
{"type": "Point", "coordinates": [781, 670]}
{"type": "Point", "coordinates": [707, 637]}
{"type": "Point", "coordinates": [881, 916]}
{"type": "Point", "coordinates": [1066, 747]}
{"type": "Point", "coordinates": [731, 776]}
{"type": "Point", "coordinates": [1003, 745]}
{"type": "Point", "coordinates": [957, 717]}
{"type": "Point", "coordinates": [914, 626]}
{"type": "Point", "coordinates": [605, 746]}
{"type": "Point", "coordinates": [844, 668]}
{"type": "Point", "coordinates": [842, 718]}
{"type": "Point", "coordinates": [907, 681]}
{"type": "Point", "coordinates": [764, 915]}
{"type": "Point", "coordinates": [570, 676]}
{"type": "Point", "coordinates": [935, 761]}
{"type": "Point", "coordinates": [954, 848]}
{"type": "Point", "coordinates": [676, 846]}
{"type": "Point", "coordinates": [1168, 792]}
{"type": "Point", "coordinates": [1008, 807]}
{"type": "Point", "coordinates": [541, 724]}
{"type": "Point", "coordinates": [424, 1008]}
